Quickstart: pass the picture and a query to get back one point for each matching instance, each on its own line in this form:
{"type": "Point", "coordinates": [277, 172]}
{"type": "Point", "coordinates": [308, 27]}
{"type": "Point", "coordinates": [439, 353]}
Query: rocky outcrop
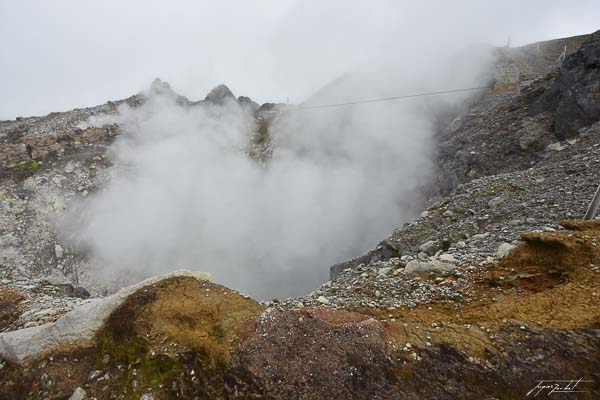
{"type": "Point", "coordinates": [168, 337]}
{"type": "Point", "coordinates": [76, 327]}
{"type": "Point", "coordinates": [385, 250]}
{"type": "Point", "coordinates": [220, 95]}
{"type": "Point", "coordinates": [574, 97]}
{"type": "Point", "coordinates": [162, 88]}
{"type": "Point", "coordinates": [510, 129]}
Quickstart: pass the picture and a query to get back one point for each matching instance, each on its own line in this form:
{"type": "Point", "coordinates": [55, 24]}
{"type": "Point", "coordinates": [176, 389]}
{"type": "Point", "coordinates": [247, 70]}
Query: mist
{"type": "Point", "coordinates": [339, 179]}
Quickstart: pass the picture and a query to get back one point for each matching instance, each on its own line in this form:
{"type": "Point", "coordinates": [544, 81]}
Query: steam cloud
{"type": "Point", "coordinates": [339, 180]}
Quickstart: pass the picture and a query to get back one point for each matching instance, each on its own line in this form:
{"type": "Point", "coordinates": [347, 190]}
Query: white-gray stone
{"type": "Point", "coordinates": [59, 251]}
{"type": "Point", "coordinates": [504, 249]}
{"type": "Point", "coordinates": [435, 266]}
{"type": "Point", "coordinates": [478, 237]}
{"type": "Point", "coordinates": [447, 257]}
{"type": "Point", "coordinates": [555, 147]}
{"type": "Point", "coordinates": [69, 168]}
{"type": "Point", "coordinates": [448, 214]}
{"type": "Point", "coordinates": [530, 134]}
{"type": "Point", "coordinates": [429, 247]}
{"type": "Point", "coordinates": [56, 278]}
{"type": "Point", "coordinates": [323, 300]}
{"type": "Point", "coordinates": [495, 202]}
{"type": "Point", "coordinates": [78, 394]}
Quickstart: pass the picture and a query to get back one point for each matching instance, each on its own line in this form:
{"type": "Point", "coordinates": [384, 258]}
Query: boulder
{"type": "Point", "coordinates": [69, 168]}
{"type": "Point", "coordinates": [385, 250]}
{"type": "Point", "coordinates": [429, 247]}
{"type": "Point", "coordinates": [504, 249]}
{"type": "Point", "coordinates": [448, 214]}
{"type": "Point", "coordinates": [531, 134]}
{"type": "Point", "coordinates": [77, 326]}
{"type": "Point", "coordinates": [433, 266]}
{"type": "Point", "coordinates": [557, 146]}
{"type": "Point", "coordinates": [78, 394]}
{"type": "Point", "coordinates": [56, 278]}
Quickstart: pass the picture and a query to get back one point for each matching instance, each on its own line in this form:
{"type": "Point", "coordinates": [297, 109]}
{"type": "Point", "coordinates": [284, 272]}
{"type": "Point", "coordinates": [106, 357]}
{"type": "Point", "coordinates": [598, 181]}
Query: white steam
{"type": "Point", "coordinates": [339, 180]}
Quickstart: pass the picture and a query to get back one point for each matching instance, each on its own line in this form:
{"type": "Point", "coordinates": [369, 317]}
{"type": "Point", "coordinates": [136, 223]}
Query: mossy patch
{"type": "Point", "coordinates": [176, 337]}
{"type": "Point", "coordinates": [30, 165]}
{"type": "Point", "coordinates": [12, 384]}
{"type": "Point", "coordinates": [10, 308]}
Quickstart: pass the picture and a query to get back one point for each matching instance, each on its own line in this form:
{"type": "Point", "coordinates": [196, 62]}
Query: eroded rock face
{"type": "Point", "coordinates": [510, 129]}
{"type": "Point", "coordinates": [324, 354]}
{"type": "Point", "coordinates": [575, 95]}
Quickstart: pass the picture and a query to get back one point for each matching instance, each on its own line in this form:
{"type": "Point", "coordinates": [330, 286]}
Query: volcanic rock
{"type": "Point", "coordinates": [574, 96]}
{"type": "Point", "coordinates": [77, 326]}
{"type": "Point", "coordinates": [220, 95]}
{"type": "Point", "coordinates": [434, 266]}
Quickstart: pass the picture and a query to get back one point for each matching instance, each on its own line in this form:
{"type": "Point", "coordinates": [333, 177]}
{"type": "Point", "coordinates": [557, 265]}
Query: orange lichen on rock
{"type": "Point", "coordinates": [555, 279]}
{"type": "Point", "coordinates": [549, 280]}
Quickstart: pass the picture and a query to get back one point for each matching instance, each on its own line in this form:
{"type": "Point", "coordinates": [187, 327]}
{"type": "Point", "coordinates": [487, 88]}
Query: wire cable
{"type": "Point", "coordinates": [408, 96]}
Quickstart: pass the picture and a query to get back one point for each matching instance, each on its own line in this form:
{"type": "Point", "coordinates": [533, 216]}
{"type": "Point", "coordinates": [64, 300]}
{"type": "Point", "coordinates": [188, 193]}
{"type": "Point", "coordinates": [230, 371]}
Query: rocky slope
{"type": "Point", "coordinates": [494, 287]}
{"type": "Point", "coordinates": [184, 337]}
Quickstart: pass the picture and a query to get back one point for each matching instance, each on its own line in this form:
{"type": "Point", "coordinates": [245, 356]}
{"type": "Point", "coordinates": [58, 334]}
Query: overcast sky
{"type": "Point", "coordinates": [62, 54]}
